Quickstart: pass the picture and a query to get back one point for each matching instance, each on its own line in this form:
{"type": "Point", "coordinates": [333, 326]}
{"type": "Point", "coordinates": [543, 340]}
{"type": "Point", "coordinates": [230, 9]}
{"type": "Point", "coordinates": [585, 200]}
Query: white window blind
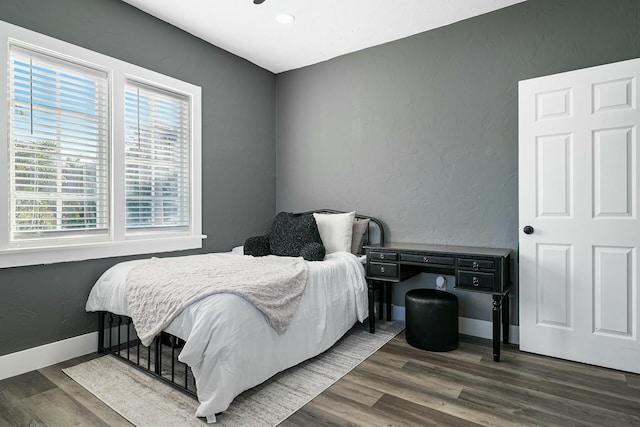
{"type": "Point", "coordinates": [157, 174]}
{"type": "Point", "coordinates": [58, 147]}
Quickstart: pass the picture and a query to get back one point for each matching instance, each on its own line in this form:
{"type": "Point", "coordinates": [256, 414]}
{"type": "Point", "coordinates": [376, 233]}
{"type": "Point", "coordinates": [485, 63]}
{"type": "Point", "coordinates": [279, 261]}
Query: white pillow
{"type": "Point", "coordinates": [335, 230]}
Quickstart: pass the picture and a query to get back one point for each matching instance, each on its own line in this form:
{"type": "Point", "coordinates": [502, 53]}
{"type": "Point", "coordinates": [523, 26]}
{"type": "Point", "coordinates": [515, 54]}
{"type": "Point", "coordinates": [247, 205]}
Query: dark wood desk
{"type": "Point", "coordinates": [475, 269]}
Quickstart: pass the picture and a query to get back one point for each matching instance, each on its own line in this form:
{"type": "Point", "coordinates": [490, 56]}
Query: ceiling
{"type": "Point", "coordinates": [323, 29]}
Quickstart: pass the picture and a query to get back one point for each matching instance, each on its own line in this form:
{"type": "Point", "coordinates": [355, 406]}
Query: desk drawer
{"type": "Point", "coordinates": [475, 280]}
{"type": "Point", "coordinates": [385, 256]}
{"type": "Point", "coordinates": [476, 264]}
{"type": "Point", "coordinates": [383, 269]}
{"type": "Point", "coordinates": [428, 259]}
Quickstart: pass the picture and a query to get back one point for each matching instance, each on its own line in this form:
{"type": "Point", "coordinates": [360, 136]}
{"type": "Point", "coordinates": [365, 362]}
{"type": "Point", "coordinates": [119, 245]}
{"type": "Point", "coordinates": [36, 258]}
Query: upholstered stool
{"type": "Point", "coordinates": [432, 319]}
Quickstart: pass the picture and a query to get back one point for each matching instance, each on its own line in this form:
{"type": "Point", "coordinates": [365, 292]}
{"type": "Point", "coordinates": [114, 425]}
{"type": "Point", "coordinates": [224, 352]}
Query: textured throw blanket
{"type": "Point", "coordinates": [160, 288]}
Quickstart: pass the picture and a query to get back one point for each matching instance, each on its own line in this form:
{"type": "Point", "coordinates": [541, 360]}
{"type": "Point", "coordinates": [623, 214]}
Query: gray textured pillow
{"type": "Point", "coordinates": [257, 246]}
{"type": "Point", "coordinates": [313, 252]}
{"type": "Point", "coordinates": [290, 233]}
{"type": "Point", "coordinates": [359, 237]}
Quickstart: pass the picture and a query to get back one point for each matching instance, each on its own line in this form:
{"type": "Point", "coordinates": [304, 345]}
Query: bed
{"type": "Point", "coordinates": [221, 345]}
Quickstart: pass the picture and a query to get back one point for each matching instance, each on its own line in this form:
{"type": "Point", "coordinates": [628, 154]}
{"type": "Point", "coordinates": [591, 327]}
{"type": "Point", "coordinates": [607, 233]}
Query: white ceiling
{"type": "Point", "coordinates": [323, 29]}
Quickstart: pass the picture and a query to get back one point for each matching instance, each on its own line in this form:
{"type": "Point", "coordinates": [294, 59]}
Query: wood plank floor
{"type": "Point", "coordinates": [403, 386]}
{"type": "Point", "coordinates": [397, 386]}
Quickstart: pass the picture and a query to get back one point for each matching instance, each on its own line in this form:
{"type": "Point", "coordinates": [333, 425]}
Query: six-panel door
{"type": "Point", "coordinates": [578, 189]}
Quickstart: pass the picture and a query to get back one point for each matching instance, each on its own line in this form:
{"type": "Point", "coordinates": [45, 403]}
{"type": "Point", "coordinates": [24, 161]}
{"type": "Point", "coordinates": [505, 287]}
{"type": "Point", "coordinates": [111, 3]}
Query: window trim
{"type": "Point", "coordinates": [117, 242]}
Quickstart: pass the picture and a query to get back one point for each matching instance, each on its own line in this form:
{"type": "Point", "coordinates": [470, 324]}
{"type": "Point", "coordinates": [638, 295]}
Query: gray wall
{"type": "Point", "coordinates": [42, 304]}
{"type": "Point", "coordinates": [422, 132]}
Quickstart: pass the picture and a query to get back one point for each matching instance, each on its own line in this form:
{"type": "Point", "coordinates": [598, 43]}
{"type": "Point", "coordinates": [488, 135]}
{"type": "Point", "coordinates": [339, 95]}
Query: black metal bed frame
{"type": "Point", "coordinates": [130, 352]}
{"type": "Point", "coordinates": [153, 364]}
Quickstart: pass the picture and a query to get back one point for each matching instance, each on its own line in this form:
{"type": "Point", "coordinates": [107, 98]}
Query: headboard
{"type": "Point", "coordinates": [371, 219]}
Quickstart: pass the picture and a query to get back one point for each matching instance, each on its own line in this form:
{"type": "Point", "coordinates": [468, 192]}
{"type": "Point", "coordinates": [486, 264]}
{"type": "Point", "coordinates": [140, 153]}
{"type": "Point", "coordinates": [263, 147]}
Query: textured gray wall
{"type": "Point", "coordinates": [43, 304]}
{"type": "Point", "coordinates": [422, 132]}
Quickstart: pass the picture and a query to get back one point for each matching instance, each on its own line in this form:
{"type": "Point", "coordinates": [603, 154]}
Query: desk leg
{"type": "Point", "coordinates": [372, 314]}
{"type": "Point", "coordinates": [387, 287]}
{"type": "Point", "coordinates": [381, 287]}
{"type": "Point", "coordinates": [505, 318]}
{"type": "Point", "coordinates": [497, 302]}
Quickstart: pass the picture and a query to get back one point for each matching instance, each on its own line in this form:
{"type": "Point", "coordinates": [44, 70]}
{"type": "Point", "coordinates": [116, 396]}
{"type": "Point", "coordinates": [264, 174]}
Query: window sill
{"type": "Point", "coordinates": [36, 256]}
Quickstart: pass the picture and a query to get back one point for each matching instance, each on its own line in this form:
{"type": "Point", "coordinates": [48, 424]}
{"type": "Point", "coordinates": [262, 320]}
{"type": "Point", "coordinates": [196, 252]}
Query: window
{"type": "Point", "coordinates": [157, 158]}
{"type": "Point", "coordinates": [58, 147]}
{"type": "Point", "coordinates": [103, 157]}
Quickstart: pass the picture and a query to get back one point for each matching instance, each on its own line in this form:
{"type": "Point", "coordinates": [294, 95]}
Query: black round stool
{"type": "Point", "coordinates": [432, 319]}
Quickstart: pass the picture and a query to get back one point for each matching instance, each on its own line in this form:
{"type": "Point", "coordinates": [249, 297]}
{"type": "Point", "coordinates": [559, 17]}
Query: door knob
{"type": "Point", "coordinates": [528, 229]}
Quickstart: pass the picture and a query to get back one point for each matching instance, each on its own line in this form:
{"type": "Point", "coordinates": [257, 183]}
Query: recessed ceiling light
{"type": "Point", "coordinates": [285, 18]}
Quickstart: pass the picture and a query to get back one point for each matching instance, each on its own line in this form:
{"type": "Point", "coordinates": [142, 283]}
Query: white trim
{"type": "Point", "coordinates": [35, 358]}
{"type": "Point", "coordinates": [468, 326]}
{"type": "Point", "coordinates": [35, 256]}
{"type": "Point", "coordinates": [49, 354]}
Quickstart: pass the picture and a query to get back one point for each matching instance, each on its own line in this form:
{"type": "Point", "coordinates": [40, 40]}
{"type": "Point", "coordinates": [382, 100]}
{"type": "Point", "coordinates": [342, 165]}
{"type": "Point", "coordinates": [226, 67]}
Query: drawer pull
{"type": "Point", "coordinates": [476, 266]}
{"type": "Point", "coordinates": [381, 269]}
{"type": "Point", "coordinates": [381, 256]}
{"type": "Point", "coordinates": [475, 281]}
{"type": "Point", "coordinates": [425, 259]}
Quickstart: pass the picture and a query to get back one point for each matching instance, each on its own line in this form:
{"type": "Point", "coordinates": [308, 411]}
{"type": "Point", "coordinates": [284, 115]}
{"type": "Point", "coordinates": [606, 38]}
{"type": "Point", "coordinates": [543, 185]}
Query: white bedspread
{"type": "Point", "coordinates": [229, 345]}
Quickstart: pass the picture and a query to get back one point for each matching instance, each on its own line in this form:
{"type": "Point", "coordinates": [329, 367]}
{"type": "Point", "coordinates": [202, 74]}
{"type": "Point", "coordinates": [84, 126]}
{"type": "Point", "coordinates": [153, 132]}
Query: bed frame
{"type": "Point", "coordinates": [117, 336]}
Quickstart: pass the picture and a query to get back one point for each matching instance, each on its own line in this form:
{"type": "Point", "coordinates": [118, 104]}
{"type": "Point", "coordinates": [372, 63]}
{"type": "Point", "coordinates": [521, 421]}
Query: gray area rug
{"type": "Point", "coordinates": [145, 401]}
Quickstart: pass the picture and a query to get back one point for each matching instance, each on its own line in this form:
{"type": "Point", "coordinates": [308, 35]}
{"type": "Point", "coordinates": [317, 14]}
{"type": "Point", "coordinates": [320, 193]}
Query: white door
{"type": "Point", "coordinates": [578, 190]}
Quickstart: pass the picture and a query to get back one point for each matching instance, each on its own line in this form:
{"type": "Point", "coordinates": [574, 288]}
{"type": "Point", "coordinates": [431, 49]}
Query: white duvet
{"type": "Point", "coordinates": [229, 345]}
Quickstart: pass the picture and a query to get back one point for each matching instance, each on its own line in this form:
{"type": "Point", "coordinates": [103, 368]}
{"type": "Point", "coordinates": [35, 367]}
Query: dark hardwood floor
{"type": "Point", "coordinates": [48, 397]}
{"type": "Point", "coordinates": [401, 385]}
{"type": "Point", "coordinates": [397, 386]}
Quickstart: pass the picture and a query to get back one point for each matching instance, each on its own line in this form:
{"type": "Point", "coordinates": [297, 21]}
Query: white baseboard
{"type": "Point", "coordinates": [49, 354]}
{"type": "Point", "coordinates": [467, 326]}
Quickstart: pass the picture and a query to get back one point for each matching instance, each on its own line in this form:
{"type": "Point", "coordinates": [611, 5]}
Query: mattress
{"type": "Point", "coordinates": [229, 345]}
